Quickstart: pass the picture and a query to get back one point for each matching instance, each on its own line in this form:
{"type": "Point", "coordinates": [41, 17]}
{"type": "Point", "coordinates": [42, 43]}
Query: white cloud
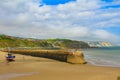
{"type": "Point", "coordinates": [104, 35]}
{"type": "Point", "coordinates": [81, 20]}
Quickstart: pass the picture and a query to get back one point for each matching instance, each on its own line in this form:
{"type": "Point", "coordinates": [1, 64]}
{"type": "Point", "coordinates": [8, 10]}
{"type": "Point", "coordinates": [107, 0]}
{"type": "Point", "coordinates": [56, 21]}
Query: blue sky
{"type": "Point", "coordinates": [108, 0]}
{"type": "Point", "coordinates": [87, 20]}
{"type": "Point", "coordinates": [111, 6]}
{"type": "Point", "coordinates": [56, 2]}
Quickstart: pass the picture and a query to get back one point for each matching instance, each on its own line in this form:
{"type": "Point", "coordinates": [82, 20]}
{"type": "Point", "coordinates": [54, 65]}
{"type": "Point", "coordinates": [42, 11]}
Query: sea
{"type": "Point", "coordinates": [103, 56]}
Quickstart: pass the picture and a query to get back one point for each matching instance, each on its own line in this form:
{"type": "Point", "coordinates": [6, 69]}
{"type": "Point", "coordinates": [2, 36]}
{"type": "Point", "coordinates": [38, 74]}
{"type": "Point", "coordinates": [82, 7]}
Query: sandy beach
{"type": "Point", "coordinates": [35, 68]}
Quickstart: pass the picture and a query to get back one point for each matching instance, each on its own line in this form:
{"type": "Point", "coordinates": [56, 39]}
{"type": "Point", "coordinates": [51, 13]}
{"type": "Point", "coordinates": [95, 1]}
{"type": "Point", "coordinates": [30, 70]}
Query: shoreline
{"type": "Point", "coordinates": [48, 69]}
{"type": "Point", "coordinates": [93, 64]}
{"type": "Point", "coordinates": [103, 57]}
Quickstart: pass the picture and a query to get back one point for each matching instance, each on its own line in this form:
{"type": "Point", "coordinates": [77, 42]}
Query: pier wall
{"type": "Point", "coordinates": [65, 56]}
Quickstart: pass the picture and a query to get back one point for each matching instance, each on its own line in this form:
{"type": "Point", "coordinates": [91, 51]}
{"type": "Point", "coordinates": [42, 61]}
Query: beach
{"type": "Point", "coordinates": [36, 68]}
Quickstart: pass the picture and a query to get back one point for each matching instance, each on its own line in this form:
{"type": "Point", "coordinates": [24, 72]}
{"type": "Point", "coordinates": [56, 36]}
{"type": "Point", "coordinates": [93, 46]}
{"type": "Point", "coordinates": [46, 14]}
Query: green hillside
{"type": "Point", "coordinates": [30, 42]}
{"type": "Point", "coordinates": [67, 43]}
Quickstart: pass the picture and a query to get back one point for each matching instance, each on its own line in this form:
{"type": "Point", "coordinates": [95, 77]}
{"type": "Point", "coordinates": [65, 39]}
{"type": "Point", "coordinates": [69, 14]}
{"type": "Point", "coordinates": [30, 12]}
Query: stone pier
{"type": "Point", "coordinates": [76, 57]}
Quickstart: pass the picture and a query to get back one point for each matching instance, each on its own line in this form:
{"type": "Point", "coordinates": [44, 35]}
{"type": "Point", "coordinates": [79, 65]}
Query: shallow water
{"type": "Point", "coordinates": [106, 56]}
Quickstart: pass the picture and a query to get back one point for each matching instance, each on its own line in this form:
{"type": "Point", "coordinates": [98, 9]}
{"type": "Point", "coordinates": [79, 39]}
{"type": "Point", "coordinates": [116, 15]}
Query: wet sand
{"type": "Point", "coordinates": [34, 68]}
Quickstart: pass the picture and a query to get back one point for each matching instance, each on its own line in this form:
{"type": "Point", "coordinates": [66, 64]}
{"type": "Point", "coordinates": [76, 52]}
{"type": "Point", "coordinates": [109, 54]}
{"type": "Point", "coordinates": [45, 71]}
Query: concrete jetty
{"type": "Point", "coordinates": [76, 57]}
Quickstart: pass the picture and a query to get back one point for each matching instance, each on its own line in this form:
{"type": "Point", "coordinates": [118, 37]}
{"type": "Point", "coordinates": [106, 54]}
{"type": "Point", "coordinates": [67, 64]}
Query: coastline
{"type": "Point", "coordinates": [104, 56]}
{"type": "Point", "coordinates": [35, 68]}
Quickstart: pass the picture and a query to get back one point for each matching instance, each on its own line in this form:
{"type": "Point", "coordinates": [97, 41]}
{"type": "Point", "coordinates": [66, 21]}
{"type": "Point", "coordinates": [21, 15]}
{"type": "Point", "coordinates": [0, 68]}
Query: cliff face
{"type": "Point", "coordinates": [99, 44]}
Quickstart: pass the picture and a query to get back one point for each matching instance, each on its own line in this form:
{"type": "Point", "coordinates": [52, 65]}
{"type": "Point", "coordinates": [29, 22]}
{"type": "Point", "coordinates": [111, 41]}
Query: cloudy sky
{"type": "Point", "coordinates": [89, 20]}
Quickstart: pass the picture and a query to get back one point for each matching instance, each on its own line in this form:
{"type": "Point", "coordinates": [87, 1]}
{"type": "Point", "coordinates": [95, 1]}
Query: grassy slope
{"type": "Point", "coordinates": [28, 42]}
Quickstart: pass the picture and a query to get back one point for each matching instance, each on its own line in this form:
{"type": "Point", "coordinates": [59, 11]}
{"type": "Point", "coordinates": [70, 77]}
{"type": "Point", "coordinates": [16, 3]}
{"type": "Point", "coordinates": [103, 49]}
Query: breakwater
{"type": "Point", "coordinates": [76, 57]}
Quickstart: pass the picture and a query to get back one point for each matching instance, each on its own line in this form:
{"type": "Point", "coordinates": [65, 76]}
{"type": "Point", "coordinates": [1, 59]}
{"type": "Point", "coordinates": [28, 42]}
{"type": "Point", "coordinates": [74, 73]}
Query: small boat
{"type": "Point", "coordinates": [10, 57]}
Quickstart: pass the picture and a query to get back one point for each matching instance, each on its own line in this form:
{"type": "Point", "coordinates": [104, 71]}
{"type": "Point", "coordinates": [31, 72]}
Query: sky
{"type": "Point", "coordinates": [86, 20]}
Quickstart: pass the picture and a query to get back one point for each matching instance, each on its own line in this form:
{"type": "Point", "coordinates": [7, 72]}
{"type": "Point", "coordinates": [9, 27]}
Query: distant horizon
{"type": "Point", "coordinates": [93, 20]}
{"type": "Point", "coordinates": [63, 38]}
